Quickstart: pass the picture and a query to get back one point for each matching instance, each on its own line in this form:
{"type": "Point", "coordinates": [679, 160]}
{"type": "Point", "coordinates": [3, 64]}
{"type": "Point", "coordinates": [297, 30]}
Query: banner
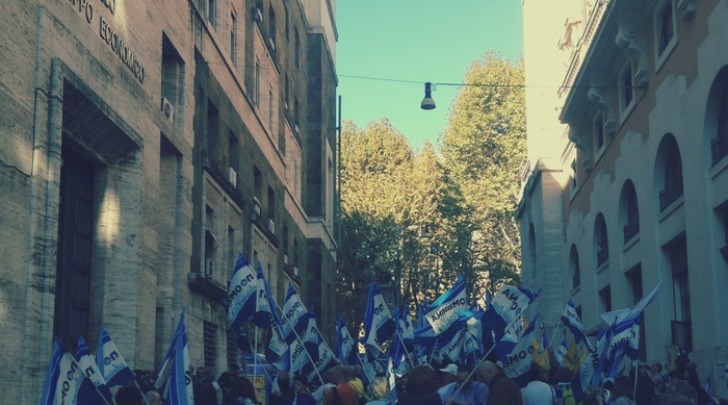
{"type": "Point", "coordinates": [241, 294]}
{"type": "Point", "coordinates": [89, 367]}
{"type": "Point", "coordinates": [378, 322]}
{"type": "Point", "coordinates": [444, 311]}
{"type": "Point", "coordinates": [66, 382]}
{"type": "Point", "coordinates": [294, 318]}
{"type": "Point", "coordinates": [111, 363]}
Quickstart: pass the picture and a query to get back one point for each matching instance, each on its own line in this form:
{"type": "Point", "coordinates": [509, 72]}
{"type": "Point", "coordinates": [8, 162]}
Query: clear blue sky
{"type": "Point", "coordinates": [410, 42]}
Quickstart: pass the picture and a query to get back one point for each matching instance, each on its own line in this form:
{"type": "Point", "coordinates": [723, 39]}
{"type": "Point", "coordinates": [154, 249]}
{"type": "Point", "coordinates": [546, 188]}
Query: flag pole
{"type": "Point", "coordinates": [300, 341]}
{"type": "Point", "coordinates": [401, 341]}
{"type": "Point", "coordinates": [475, 367]}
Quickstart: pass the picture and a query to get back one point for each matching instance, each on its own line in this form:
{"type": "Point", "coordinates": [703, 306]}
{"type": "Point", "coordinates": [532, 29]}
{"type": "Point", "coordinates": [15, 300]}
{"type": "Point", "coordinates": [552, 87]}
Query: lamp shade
{"type": "Point", "coordinates": [428, 103]}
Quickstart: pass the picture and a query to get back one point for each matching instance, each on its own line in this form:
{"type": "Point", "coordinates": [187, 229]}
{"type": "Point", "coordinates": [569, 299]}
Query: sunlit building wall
{"type": "Point", "coordinates": [642, 182]}
{"type": "Point", "coordinates": [147, 144]}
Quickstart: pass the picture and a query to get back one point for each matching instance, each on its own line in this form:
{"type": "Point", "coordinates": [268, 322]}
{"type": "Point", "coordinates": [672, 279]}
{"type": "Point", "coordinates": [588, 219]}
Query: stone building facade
{"type": "Point", "coordinates": [627, 184]}
{"type": "Point", "coordinates": [147, 144]}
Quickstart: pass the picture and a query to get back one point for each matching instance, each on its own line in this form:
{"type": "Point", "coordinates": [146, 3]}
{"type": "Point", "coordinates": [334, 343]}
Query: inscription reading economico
{"type": "Point", "coordinates": [112, 38]}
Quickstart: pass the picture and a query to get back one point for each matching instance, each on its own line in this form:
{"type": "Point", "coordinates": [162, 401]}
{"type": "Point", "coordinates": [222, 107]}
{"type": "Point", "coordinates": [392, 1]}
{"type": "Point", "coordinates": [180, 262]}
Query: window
{"type": "Point", "coordinates": [213, 118]}
{"type": "Point", "coordinates": [574, 268]}
{"type": "Point", "coordinates": [598, 130]}
{"type": "Point", "coordinates": [626, 87]}
{"type": "Point", "coordinates": [722, 212]}
{"type": "Point", "coordinates": [257, 182]}
{"type": "Point", "coordinates": [234, 151]}
{"type": "Point", "coordinates": [676, 252]}
{"type": "Point", "coordinates": [256, 83]}
{"type": "Point", "coordinates": [173, 77]}
{"type": "Point", "coordinates": [271, 204]}
{"type": "Point", "coordinates": [672, 187]}
{"type": "Point", "coordinates": [605, 296]}
{"type": "Point", "coordinates": [297, 49]}
{"type": "Point", "coordinates": [209, 332]}
{"type": "Point", "coordinates": [664, 30]}
{"type": "Point", "coordinates": [211, 11]}
{"type": "Point", "coordinates": [600, 240]}
{"type": "Point", "coordinates": [634, 281]}
{"type": "Point", "coordinates": [719, 144]}
{"type": "Point", "coordinates": [270, 109]}
{"type": "Point", "coordinates": [234, 38]}
{"type": "Point", "coordinates": [232, 351]}
{"type": "Point", "coordinates": [629, 212]}
{"type": "Point", "coordinates": [272, 27]}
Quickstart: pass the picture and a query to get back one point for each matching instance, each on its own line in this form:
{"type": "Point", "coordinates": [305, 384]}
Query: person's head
{"type": "Point", "coordinates": [284, 381]}
{"type": "Point", "coordinates": [201, 373]}
{"type": "Point", "coordinates": [153, 398]}
{"type": "Point", "coordinates": [300, 383]}
{"type": "Point", "coordinates": [623, 387]}
{"type": "Point", "coordinates": [656, 367]}
{"type": "Point", "coordinates": [380, 387]}
{"type": "Point", "coordinates": [421, 380]}
{"type": "Point", "coordinates": [464, 371]}
{"type": "Point", "coordinates": [487, 370]}
{"type": "Point", "coordinates": [449, 373]}
{"type": "Point", "coordinates": [129, 395]}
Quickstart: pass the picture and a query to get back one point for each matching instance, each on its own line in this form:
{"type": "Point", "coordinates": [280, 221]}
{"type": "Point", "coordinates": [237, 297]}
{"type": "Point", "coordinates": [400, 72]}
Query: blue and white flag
{"type": "Point", "coordinates": [111, 363]}
{"type": "Point", "coordinates": [444, 311]}
{"type": "Point", "coordinates": [294, 318]}
{"type": "Point", "coordinates": [66, 381]}
{"type": "Point", "coordinates": [268, 316]}
{"type": "Point", "coordinates": [378, 322]}
{"type": "Point", "coordinates": [168, 361]}
{"type": "Point", "coordinates": [517, 363]}
{"type": "Point", "coordinates": [627, 314]}
{"type": "Point", "coordinates": [344, 343]}
{"type": "Point", "coordinates": [510, 302]}
{"type": "Point", "coordinates": [624, 347]}
{"type": "Point", "coordinates": [571, 319]}
{"type": "Point", "coordinates": [88, 364]}
{"type": "Point", "coordinates": [560, 352]}
{"type": "Point", "coordinates": [241, 294]}
{"type": "Point", "coordinates": [404, 326]}
{"type": "Point", "coordinates": [180, 381]}
{"type": "Point", "coordinates": [263, 299]}
{"type": "Point", "coordinates": [174, 380]}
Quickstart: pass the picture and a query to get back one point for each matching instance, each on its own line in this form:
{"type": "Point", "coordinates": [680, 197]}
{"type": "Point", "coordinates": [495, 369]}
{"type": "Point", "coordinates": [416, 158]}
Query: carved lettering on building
{"type": "Point", "coordinates": [112, 38]}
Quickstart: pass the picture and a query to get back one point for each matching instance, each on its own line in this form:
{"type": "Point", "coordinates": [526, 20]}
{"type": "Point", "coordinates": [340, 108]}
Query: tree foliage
{"type": "Point", "coordinates": [484, 149]}
{"type": "Point", "coordinates": [416, 220]}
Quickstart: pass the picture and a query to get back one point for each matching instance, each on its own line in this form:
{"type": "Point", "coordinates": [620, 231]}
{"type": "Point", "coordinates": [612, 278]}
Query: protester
{"type": "Point", "coordinates": [129, 395]}
{"type": "Point", "coordinates": [203, 389]}
{"type": "Point", "coordinates": [282, 392]}
{"type": "Point", "coordinates": [503, 390]}
{"type": "Point", "coordinates": [380, 391]}
{"type": "Point", "coordinates": [153, 398]}
{"type": "Point", "coordinates": [659, 379]}
{"type": "Point", "coordinates": [537, 391]}
{"type": "Point", "coordinates": [241, 391]}
{"type": "Point", "coordinates": [623, 390]}
{"type": "Point", "coordinates": [301, 391]}
{"type": "Point", "coordinates": [448, 374]}
{"type": "Point", "coordinates": [343, 393]}
{"type": "Point", "coordinates": [464, 391]}
{"type": "Point", "coordinates": [420, 387]}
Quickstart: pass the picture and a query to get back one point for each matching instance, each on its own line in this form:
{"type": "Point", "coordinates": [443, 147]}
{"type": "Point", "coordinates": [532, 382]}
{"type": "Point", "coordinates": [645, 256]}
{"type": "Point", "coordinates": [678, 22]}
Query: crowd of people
{"type": "Point", "coordinates": [445, 384]}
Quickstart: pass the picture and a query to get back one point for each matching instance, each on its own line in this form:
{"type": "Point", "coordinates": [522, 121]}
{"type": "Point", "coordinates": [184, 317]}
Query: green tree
{"type": "Point", "coordinates": [484, 149]}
